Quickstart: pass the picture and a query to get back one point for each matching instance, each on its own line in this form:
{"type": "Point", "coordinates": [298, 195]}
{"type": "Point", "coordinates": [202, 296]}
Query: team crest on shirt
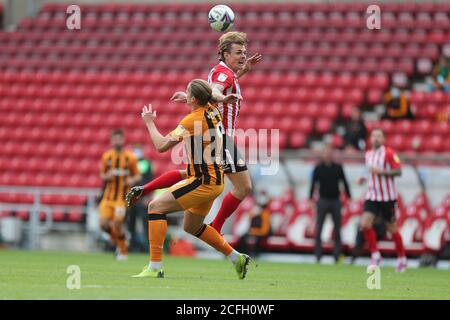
{"type": "Point", "coordinates": [222, 77]}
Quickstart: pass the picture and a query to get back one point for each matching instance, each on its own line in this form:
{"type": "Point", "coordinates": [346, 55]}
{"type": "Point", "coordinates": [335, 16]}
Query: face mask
{"type": "Point", "coordinates": [262, 200]}
{"type": "Point", "coordinates": [395, 93]}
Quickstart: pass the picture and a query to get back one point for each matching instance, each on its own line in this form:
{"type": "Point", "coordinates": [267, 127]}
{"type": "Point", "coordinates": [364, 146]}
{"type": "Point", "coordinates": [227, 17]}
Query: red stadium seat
{"type": "Point", "coordinates": [297, 140]}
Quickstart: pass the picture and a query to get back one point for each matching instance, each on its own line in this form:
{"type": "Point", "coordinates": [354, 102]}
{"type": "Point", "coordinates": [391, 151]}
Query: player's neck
{"type": "Point", "coordinates": [118, 150]}
{"type": "Point", "coordinates": [378, 148]}
{"type": "Point", "coordinates": [228, 66]}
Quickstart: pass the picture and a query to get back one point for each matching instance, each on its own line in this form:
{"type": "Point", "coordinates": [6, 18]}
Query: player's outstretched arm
{"type": "Point", "coordinates": [161, 143]}
{"type": "Point", "coordinates": [249, 64]}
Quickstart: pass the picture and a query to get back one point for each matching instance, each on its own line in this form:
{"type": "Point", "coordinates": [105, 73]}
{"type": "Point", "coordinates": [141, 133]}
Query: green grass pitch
{"type": "Point", "coordinates": [42, 275]}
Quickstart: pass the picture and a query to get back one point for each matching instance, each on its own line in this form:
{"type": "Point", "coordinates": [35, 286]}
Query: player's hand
{"type": "Point", "coordinates": [130, 181]}
{"type": "Point", "coordinates": [232, 98]}
{"type": "Point", "coordinates": [250, 63]}
{"type": "Point", "coordinates": [148, 114]}
{"type": "Point", "coordinates": [134, 195]}
{"type": "Point", "coordinates": [361, 180]}
{"type": "Point", "coordinates": [179, 96]}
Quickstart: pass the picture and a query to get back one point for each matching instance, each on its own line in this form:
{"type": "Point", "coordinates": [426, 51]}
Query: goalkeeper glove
{"type": "Point", "coordinates": [134, 195]}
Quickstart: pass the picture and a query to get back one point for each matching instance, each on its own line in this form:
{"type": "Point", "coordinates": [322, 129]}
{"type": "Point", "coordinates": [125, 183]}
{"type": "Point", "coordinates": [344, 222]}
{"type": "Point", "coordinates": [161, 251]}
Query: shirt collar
{"type": "Point", "coordinates": [223, 64]}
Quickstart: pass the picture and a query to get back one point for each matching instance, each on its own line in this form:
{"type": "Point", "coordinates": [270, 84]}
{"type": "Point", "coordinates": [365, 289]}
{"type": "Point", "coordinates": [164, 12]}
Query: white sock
{"type": "Point", "coordinates": [233, 256]}
{"type": "Point", "coordinates": [376, 255]}
{"type": "Point", "coordinates": [155, 265]}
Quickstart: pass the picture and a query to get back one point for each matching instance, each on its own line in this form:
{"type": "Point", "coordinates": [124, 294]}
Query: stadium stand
{"type": "Point", "coordinates": [63, 91]}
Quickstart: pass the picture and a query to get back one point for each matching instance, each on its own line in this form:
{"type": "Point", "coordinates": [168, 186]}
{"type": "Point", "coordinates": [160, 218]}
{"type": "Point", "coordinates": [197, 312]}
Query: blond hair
{"type": "Point", "coordinates": [228, 39]}
{"type": "Point", "coordinates": [202, 91]}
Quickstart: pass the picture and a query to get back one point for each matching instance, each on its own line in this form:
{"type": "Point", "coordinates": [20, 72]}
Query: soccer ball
{"type": "Point", "coordinates": [221, 18]}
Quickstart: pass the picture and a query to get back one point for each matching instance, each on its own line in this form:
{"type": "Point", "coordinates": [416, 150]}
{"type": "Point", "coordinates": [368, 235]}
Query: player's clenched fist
{"type": "Point", "coordinates": [148, 114]}
{"type": "Point", "coordinates": [134, 195]}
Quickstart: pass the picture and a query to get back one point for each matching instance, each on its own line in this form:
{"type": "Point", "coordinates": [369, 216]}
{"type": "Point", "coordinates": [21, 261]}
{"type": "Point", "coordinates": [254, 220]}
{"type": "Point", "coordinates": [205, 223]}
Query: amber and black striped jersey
{"type": "Point", "coordinates": [122, 165]}
{"type": "Point", "coordinates": [202, 133]}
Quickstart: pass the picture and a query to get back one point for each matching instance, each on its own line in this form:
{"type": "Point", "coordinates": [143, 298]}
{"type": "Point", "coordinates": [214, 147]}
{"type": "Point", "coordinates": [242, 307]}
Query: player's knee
{"type": "Point", "coordinates": [191, 229]}
{"type": "Point", "coordinates": [104, 224]}
{"type": "Point", "coordinates": [153, 206]}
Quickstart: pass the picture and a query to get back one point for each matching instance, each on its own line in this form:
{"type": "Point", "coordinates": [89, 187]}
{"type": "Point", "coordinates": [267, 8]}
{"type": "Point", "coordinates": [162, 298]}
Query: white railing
{"type": "Point", "coordinates": [34, 227]}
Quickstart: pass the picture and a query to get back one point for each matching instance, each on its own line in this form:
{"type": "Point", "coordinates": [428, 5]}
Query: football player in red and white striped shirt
{"type": "Point", "coordinates": [383, 165]}
{"type": "Point", "coordinates": [226, 91]}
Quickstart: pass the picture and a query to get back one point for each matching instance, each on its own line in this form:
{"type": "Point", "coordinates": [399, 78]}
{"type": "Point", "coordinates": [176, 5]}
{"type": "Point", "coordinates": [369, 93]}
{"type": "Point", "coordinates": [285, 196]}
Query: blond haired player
{"type": "Point", "coordinates": [119, 172]}
{"type": "Point", "coordinates": [202, 134]}
{"type": "Point", "coordinates": [227, 93]}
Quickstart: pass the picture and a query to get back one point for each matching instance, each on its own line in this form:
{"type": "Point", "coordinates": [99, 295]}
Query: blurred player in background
{"type": "Point", "coordinates": [383, 166]}
{"type": "Point", "coordinates": [227, 92]}
{"type": "Point", "coordinates": [119, 172]}
{"type": "Point", "coordinates": [202, 133]}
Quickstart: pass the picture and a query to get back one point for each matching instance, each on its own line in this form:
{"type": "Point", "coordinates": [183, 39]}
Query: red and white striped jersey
{"type": "Point", "coordinates": [381, 188]}
{"type": "Point", "coordinates": [223, 75]}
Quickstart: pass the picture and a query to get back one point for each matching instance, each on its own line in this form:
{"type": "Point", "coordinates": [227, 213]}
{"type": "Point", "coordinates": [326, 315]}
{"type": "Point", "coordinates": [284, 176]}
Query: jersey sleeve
{"type": "Point", "coordinates": [103, 164]}
{"type": "Point", "coordinates": [222, 77]}
{"type": "Point", "coordinates": [184, 129]}
{"type": "Point", "coordinates": [393, 160]}
{"type": "Point", "coordinates": [133, 167]}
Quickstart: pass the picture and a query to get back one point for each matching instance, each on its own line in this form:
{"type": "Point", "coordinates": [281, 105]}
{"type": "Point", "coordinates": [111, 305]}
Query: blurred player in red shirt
{"type": "Point", "coordinates": [383, 165]}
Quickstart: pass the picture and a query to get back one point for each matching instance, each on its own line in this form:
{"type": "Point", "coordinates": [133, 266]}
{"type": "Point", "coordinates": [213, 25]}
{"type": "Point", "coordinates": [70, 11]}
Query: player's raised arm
{"type": "Point", "coordinates": [105, 174]}
{"type": "Point", "coordinates": [161, 143]}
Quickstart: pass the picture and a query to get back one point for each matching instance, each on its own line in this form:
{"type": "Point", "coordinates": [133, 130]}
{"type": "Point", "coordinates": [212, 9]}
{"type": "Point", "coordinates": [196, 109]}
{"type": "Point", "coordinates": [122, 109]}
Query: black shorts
{"type": "Point", "coordinates": [233, 160]}
{"type": "Point", "coordinates": [384, 208]}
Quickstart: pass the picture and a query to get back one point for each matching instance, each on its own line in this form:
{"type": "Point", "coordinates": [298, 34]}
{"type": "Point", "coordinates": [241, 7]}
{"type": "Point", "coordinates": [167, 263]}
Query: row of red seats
{"type": "Point", "coordinates": [173, 79]}
{"type": "Point", "coordinates": [253, 93]}
{"type": "Point", "coordinates": [149, 52]}
{"type": "Point", "coordinates": [404, 18]}
{"type": "Point", "coordinates": [432, 112]}
{"type": "Point", "coordinates": [407, 142]}
{"type": "Point", "coordinates": [73, 216]}
{"type": "Point", "coordinates": [373, 66]}
{"type": "Point", "coordinates": [268, 19]}
{"type": "Point", "coordinates": [331, 7]}
{"type": "Point", "coordinates": [436, 97]}
{"type": "Point", "coordinates": [182, 36]}
{"type": "Point", "coordinates": [68, 124]}
{"type": "Point", "coordinates": [73, 179]}
{"type": "Point", "coordinates": [51, 199]}
{"type": "Point", "coordinates": [67, 149]}
{"type": "Point", "coordinates": [410, 127]}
